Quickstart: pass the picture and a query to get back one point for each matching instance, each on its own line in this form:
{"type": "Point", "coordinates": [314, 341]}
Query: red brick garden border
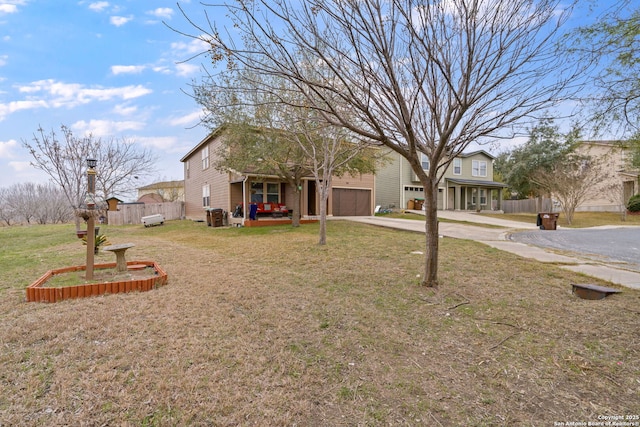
{"type": "Point", "coordinates": [37, 293]}
{"type": "Point", "coordinates": [271, 222]}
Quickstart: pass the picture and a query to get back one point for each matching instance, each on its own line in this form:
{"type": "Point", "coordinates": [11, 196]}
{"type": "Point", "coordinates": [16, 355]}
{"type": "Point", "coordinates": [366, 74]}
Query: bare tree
{"type": "Point", "coordinates": [7, 214]}
{"type": "Point", "coordinates": [22, 200]}
{"type": "Point", "coordinates": [570, 182]}
{"type": "Point", "coordinates": [418, 77]}
{"type": "Point", "coordinates": [65, 163]}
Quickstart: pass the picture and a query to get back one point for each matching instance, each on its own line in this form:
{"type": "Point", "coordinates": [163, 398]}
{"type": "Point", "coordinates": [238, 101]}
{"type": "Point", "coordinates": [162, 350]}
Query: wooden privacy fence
{"type": "Point", "coordinates": [133, 213]}
{"type": "Point", "coordinates": [526, 206]}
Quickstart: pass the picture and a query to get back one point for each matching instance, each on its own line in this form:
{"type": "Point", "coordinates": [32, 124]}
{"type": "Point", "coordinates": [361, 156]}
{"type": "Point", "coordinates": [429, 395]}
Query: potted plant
{"type": "Point", "coordinates": [101, 240]}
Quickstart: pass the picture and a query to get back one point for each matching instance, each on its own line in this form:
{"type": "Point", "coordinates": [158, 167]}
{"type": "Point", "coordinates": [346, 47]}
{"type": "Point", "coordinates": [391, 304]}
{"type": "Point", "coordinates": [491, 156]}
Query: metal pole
{"type": "Point", "coordinates": [91, 226]}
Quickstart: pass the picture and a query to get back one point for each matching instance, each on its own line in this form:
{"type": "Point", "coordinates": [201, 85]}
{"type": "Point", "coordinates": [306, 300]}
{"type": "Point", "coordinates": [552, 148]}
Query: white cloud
{"type": "Point", "coordinates": [8, 8]}
{"type": "Point", "coordinates": [184, 69]}
{"type": "Point", "coordinates": [124, 110]}
{"type": "Point", "coordinates": [106, 127]}
{"type": "Point", "coordinates": [164, 143]}
{"type": "Point", "coordinates": [74, 94]}
{"type": "Point", "coordinates": [162, 12]}
{"type": "Point", "coordinates": [11, 6]}
{"type": "Point", "coordinates": [13, 106]}
{"type": "Point", "coordinates": [20, 166]}
{"type": "Point", "coordinates": [3, 60]}
{"type": "Point", "coordinates": [162, 69]}
{"type": "Point", "coordinates": [194, 47]}
{"type": "Point", "coordinates": [6, 148]}
{"type": "Point", "coordinates": [127, 69]}
{"type": "Point", "coordinates": [99, 6]}
{"type": "Point", "coordinates": [187, 120]}
{"type": "Point", "coordinates": [119, 21]}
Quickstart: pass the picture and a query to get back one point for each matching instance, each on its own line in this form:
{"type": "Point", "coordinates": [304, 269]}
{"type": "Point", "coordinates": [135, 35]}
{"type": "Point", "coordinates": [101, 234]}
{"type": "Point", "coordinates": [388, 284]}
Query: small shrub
{"type": "Point", "coordinates": [633, 205]}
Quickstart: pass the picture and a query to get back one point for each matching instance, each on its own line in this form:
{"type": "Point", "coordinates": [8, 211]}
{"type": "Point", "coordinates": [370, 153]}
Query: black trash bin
{"type": "Point", "coordinates": [547, 220]}
{"type": "Point", "coordinates": [216, 217]}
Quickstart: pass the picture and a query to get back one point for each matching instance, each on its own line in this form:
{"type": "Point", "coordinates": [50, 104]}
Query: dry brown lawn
{"type": "Point", "coordinates": [264, 327]}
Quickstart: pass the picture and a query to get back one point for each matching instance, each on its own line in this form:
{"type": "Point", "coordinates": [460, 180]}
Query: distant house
{"type": "Point", "coordinates": [466, 185]}
{"type": "Point", "coordinates": [618, 184]}
{"type": "Point", "coordinates": [158, 192]}
{"type": "Point", "coordinates": [206, 187]}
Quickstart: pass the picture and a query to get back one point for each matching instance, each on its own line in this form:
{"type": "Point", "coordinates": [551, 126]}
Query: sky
{"type": "Point", "coordinates": [109, 68]}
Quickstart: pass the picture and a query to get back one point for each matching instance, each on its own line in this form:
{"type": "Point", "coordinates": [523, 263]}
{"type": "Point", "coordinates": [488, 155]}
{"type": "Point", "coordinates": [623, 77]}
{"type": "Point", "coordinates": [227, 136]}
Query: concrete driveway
{"type": "Point", "coordinates": [608, 253]}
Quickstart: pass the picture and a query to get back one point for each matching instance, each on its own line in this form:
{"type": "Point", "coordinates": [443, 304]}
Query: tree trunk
{"type": "Point", "coordinates": [324, 195]}
{"type": "Point", "coordinates": [295, 216]}
{"type": "Point", "coordinates": [431, 233]}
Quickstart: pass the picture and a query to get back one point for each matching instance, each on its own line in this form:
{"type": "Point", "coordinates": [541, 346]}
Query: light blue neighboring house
{"type": "Point", "coordinates": [466, 185]}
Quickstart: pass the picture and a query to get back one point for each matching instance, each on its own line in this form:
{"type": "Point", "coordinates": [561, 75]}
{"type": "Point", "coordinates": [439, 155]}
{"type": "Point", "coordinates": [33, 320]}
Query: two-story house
{"type": "Point", "coordinates": [618, 182]}
{"type": "Point", "coordinates": [206, 187]}
{"type": "Point", "coordinates": [467, 183]}
{"type": "Point", "coordinates": [165, 191]}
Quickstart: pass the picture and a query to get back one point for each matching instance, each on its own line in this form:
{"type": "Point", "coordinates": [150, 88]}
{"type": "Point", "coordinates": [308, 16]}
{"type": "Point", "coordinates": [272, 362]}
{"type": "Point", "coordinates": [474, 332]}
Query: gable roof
{"type": "Point", "coordinates": [473, 153]}
{"type": "Point", "coordinates": [204, 141]}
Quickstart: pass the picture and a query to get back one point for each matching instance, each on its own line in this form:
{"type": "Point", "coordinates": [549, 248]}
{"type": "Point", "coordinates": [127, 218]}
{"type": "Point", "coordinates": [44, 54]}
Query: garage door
{"type": "Point", "coordinates": [351, 202]}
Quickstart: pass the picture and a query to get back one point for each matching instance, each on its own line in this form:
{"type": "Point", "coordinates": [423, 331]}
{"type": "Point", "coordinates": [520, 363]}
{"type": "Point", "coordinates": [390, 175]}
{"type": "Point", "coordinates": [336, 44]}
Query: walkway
{"type": "Point", "coordinates": [498, 238]}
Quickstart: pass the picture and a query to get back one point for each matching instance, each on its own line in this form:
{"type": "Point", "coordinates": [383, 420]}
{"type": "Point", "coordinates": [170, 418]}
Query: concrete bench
{"type": "Point", "coordinates": [594, 292]}
{"type": "Point", "coordinates": [119, 250]}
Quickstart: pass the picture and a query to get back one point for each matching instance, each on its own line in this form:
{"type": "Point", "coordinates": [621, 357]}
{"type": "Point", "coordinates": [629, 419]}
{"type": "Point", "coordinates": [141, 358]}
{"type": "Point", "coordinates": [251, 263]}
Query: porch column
{"type": "Point", "coordinates": [478, 205]}
{"type": "Point", "coordinates": [456, 196]}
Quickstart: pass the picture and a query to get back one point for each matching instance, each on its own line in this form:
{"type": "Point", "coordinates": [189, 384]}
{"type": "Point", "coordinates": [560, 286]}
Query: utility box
{"type": "Point", "coordinates": [157, 219]}
{"type": "Point", "coordinates": [547, 220]}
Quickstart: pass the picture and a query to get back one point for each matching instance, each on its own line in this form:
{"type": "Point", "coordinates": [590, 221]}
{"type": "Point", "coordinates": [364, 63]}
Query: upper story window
{"type": "Point", "coordinates": [186, 169]}
{"type": "Point", "coordinates": [457, 166]}
{"type": "Point", "coordinates": [205, 157]}
{"type": "Point", "coordinates": [479, 168]}
{"type": "Point", "coordinates": [425, 161]}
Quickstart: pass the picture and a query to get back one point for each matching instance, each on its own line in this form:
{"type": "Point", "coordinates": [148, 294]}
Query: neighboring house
{"type": "Point", "coordinates": [206, 187]}
{"type": "Point", "coordinates": [166, 191]}
{"type": "Point", "coordinates": [466, 185]}
{"type": "Point", "coordinates": [618, 183]}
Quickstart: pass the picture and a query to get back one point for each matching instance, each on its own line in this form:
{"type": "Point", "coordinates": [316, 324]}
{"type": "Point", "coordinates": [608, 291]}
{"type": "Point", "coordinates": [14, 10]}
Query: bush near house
{"type": "Point", "coordinates": [633, 205]}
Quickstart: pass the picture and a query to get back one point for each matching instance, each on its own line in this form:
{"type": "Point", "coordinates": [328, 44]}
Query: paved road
{"type": "Point", "coordinates": [619, 246]}
{"type": "Point", "coordinates": [610, 254]}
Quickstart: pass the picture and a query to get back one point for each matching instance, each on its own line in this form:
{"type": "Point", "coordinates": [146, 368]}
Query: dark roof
{"type": "Point", "coordinates": [476, 183]}
{"type": "Point", "coordinates": [163, 184]}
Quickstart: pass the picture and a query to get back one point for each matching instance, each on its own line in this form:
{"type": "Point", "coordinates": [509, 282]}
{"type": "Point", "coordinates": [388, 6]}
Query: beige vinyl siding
{"type": "Point", "coordinates": [388, 183]}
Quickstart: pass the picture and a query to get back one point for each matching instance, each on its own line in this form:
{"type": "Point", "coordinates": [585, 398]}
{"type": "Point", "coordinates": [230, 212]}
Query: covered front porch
{"type": "Point", "coordinates": [473, 195]}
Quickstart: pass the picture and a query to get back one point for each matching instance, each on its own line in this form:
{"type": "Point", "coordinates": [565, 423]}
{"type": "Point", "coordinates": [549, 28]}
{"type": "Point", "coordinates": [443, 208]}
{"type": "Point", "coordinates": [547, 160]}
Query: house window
{"type": "Point", "coordinates": [483, 196]}
{"type": "Point", "coordinates": [205, 158]}
{"type": "Point", "coordinates": [206, 195]}
{"type": "Point", "coordinates": [186, 168]}
{"type": "Point", "coordinates": [425, 161]}
{"type": "Point", "coordinates": [479, 168]}
{"type": "Point", "coordinates": [265, 192]}
{"type": "Point", "coordinates": [273, 193]}
{"type": "Point", "coordinates": [457, 166]}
